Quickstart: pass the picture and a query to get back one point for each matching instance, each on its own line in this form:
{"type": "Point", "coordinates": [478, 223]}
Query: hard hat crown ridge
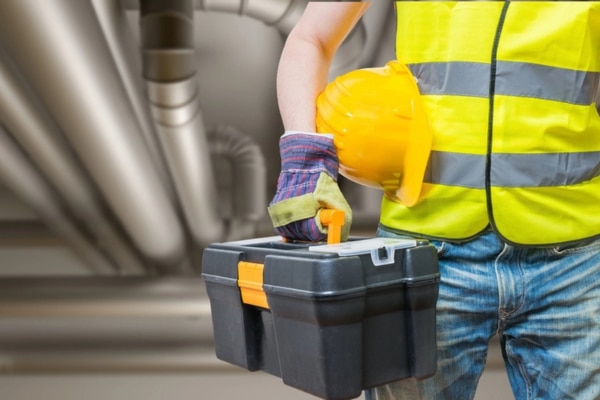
{"type": "Point", "coordinates": [380, 129]}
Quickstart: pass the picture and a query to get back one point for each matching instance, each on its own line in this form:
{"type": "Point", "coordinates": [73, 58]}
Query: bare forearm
{"type": "Point", "coordinates": [306, 58]}
{"type": "Point", "coordinates": [302, 75]}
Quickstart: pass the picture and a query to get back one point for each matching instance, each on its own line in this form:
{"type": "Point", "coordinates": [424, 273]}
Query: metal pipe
{"type": "Point", "coordinates": [82, 324]}
{"type": "Point", "coordinates": [280, 14]}
{"type": "Point", "coordinates": [249, 181]}
{"type": "Point", "coordinates": [60, 47]}
{"type": "Point", "coordinates": [103, 297]}
{"type": "Point", "coordinates": [169, 69]}
{"type": "Point", "coordinates": [38, 134]}
{"type": "Point", "coordinates": [172, 359]}
{"type": "Point", "coordinates": [283, 15]}
{"type": "Point", "coordinates": [115, 26]}
{"type": "Point", "coordinates": [18, 175]}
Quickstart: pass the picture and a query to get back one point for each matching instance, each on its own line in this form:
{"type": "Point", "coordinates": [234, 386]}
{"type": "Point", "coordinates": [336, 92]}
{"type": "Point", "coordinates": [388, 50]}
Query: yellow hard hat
{"type": "Point", "coordinates": [380, 129]}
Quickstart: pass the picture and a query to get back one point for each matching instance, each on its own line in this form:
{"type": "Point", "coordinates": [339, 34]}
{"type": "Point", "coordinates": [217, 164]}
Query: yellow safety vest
{"type": "Point", "coordinates": [510, 89]}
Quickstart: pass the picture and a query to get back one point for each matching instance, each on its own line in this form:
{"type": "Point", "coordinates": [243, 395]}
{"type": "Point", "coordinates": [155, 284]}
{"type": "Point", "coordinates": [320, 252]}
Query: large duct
{"type": "Point", "coordinates": [61, 49]}
{"type": "Point", "coordinates": [38, 134]}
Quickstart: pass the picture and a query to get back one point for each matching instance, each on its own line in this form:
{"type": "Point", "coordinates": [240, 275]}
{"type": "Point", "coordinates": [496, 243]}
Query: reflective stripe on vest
{"type": "Point", "coordinates": [512, 79]}
{"type": "Point", "coordinates": [511, 91]}
{"type": "Point", "coordinates": [513, 170]}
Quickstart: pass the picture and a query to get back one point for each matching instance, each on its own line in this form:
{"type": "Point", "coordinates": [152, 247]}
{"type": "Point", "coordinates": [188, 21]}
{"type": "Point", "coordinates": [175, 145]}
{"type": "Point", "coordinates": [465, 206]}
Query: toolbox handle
{"type": "Point", "coordinates": [334, 220]}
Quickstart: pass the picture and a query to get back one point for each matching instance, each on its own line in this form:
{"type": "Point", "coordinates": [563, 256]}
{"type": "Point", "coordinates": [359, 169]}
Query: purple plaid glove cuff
{"type": "Point", "coordinates": [304, 230]}
{"type": "Point", "coordinates": [303, 158]}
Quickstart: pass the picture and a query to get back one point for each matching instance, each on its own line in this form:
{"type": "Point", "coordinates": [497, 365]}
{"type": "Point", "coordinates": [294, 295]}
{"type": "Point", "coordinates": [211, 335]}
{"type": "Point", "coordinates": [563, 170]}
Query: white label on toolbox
{"type": "Point", "coordinates": [381, 249]}
{"type": "Point", "coordinates": [260, 240]}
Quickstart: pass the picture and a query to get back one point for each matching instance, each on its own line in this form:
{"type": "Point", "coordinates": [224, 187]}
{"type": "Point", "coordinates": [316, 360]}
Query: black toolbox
{"type": "Point", "coordinates": [330, 320]}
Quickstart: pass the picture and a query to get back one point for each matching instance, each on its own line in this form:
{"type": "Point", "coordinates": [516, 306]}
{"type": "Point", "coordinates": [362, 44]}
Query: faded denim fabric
{"type": "Point", "coordinates": [544, 303]}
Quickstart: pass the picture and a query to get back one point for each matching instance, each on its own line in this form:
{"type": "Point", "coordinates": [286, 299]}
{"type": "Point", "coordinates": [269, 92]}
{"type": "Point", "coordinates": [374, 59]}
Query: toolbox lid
{"type": "Point", "coordinates": [381, 249]}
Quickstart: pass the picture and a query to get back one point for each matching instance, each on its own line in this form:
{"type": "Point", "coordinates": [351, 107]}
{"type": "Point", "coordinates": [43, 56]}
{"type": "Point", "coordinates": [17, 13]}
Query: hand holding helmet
{"type": "Point", "coordinates": [381, 133]}
{"type": "Point", "coordinates": [375, 133]}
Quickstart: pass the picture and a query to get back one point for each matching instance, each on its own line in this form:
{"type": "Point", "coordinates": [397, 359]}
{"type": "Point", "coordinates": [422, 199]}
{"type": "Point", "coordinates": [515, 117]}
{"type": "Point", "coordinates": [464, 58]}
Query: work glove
{"type": "Point", "coordinates": [307, 184]}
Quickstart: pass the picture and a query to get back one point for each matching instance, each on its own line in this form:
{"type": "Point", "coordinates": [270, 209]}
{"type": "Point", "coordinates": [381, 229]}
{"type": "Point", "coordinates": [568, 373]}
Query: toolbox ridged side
{"type": "Point", "coordinates": [334, 325]}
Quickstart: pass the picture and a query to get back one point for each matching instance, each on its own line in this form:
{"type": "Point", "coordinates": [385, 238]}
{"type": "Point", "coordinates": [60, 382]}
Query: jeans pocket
{"type": "Point", "coordinates": [440, 246]}
{"type": "Point", "coordinates": [581, 246]}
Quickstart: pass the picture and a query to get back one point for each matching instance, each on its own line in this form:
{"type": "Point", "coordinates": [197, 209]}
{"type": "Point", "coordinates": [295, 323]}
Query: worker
{"type": "Point", "coordinates": [511, 198]}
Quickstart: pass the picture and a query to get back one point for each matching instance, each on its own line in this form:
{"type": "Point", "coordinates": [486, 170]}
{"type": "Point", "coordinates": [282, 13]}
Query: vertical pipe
{"type": "Point", "coordinates": [111, 15]}
{"type": "Point", "coordinates": [167, 33]}
{"type": "Point", "coordinates": [60, 47]}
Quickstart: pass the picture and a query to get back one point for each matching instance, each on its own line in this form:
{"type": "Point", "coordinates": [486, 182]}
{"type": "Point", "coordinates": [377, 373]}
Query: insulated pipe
{"type": "Point", "coordinates": [117, 32]}
{"type": "Point", "coordinates": [18, 175]}
{"type": "Point", "coordinates": [61, 49]}
{"type": "Point", "coordinates": [169, 69]}
{"type": "Point", "coordinates": [37, 133]}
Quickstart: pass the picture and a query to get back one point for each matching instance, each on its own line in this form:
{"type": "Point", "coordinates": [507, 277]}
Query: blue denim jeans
{"type": "Point", "coordinates": [544, 303]}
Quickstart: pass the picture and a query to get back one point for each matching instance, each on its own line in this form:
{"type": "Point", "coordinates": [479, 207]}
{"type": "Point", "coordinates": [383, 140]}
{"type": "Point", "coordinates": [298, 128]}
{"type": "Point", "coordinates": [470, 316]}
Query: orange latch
{"type": "Point", "coordinates": [333, 219]}
{"type": "Point", "coordinates": [250, 281]}
{"type": "Point", "coordinates": [250, 275]}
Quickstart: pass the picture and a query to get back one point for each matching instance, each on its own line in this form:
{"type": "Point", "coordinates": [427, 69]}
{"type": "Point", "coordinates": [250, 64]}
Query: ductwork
{"type": "Point", "coordinates": [60, 47]}
{"type": "Point", "coordinates": [38, 134]}
{"type": "Point", "coordinates": [91, 106]}
{"type": "Point", "coordinates": [22, 178]}
{"type": "Point", "coordinates": [283, 15]}
{"type": "Point", "coordinates": [121, 324]}
{"type": "Point", "coordinates": [83, 89]}
{"type": "Point", "coordinates": [169, 69]}
{"type": "Point", "coordinates": [167, 30]}
{"type": "Point", "coordinates": [247, 191]}
{"type": "Point", "coordinates": [103, 297]}
{"type": "Point", "coordinates": [125, 52]}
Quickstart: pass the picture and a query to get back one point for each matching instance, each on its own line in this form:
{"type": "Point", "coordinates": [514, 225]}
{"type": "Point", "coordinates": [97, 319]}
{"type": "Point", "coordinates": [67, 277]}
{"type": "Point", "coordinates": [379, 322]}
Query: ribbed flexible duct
{"type": "Point", "coordinates": [60, 47]}
{"type": "Point", "coordinates": [38, 134]}
{"type": "Point", "coordinates": [169, 69]}
{"type": "Point", "coordinates": [18, 175]}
